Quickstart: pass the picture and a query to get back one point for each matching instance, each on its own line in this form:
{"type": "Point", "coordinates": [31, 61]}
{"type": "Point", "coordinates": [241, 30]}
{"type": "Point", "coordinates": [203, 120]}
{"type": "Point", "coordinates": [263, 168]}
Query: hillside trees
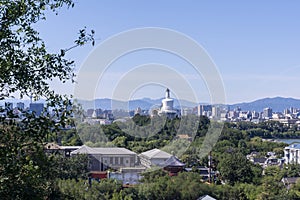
{"type": "Point", "coordinates": [235, 167]}
{"type": "Point", "coordinates": [26, 69]}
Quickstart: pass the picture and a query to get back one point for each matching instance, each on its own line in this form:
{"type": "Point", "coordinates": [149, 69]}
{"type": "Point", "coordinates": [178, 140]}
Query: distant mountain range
{"type": "Point", "coordinates": [276, 103]}
{"type": "Point", "coordinates": [145, 104]}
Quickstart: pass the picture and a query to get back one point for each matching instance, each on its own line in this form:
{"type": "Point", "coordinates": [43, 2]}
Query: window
{"type": "Point", "coordinates": [132, 160]}
{"type": "Point", "coordinates": [116, 160]}
{"type": "Point", "coordinates": [111, 161]}
{"type": "Point", "coordinates": [121, 160]}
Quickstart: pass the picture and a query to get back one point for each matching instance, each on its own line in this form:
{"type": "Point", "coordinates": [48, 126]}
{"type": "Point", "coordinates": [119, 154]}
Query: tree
{"type": "Point", "coordinates": [74, 167]}
{"type": "Point", "coordinates": [203, 126]}
{"type": "Point", "coordinates": [26, 68]}
{"type": "Point", "coordinates": [141, 120]}
{"type": "Point", "coordinates": [272, 187]}
{"type": "Point", "coordinates": [235, 167]}
{"type": "Point", "coordinates": [23, 165]}
{"type": "Point", "coordinates": [291, 170]}
{"type": "Point", "coordinates": [25, 65]}
{"type": "Point", "coordinates": [105, 189]}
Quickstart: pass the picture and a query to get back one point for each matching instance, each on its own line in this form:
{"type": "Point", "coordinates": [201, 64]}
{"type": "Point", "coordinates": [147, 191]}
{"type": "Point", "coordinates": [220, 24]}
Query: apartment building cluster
{"type": "Point", "coordinates": [19, 109]}
{"type": "Point", "coordinates": [289, 117]}
{"type": "Point", "coordinates": [98, 116]}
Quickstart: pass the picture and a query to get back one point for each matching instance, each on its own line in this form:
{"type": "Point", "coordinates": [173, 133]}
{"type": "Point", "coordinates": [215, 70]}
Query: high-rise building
{"type": "Point", "coordinates": [216, 112]}
{"type": "Point", "coordinates": [267, 113]}
{"type": "Point", "coordinates": [286, 111]}
{"type": "Point", "coordinates": [20, 105]}
{"type": "Point", "coordinates": [203, 109]}
{"type": "Point", "coordinates": [94, 115]}
{"type": "Point", "coordinates": [36, 108]}
{"type": "Point", "coordinates": [138, 111]}
{"type": "Point", "coordinates": [200, 110]}
{"type": "Point", "coordinates": [8, 106]}
{"type": "Point", "coordinates": [293, 110]}
{"type": "Point", "coordinates": [89, 112]}
{"type": "Point", "coordinates": [255, 115]}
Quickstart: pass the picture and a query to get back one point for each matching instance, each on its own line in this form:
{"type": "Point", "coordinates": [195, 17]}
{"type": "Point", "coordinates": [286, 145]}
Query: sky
{"type": "Point", "coordinates": [254, 45]}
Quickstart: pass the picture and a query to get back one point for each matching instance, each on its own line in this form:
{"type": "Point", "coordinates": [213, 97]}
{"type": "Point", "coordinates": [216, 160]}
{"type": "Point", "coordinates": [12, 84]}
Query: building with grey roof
{"type": "Point", "coordinates": [52, 148]}
{"type": "Point", "coordinates": [173, 165]}
{"type": "Point", "coordinates": [153, 157]}
{"type": "Point", "coordinates": [206, 197]}
{"type": "Point", "coordinates": [101, 159]}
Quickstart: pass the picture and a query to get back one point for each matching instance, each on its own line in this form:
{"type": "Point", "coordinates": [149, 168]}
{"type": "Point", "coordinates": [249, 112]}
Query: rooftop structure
{"type": "Point", "coordinates": [101, 159]}
{"type": "Point", "coordinates": [55, 148]}
{"type": "Point", "coordinates": [153, 157]}
{"type": "Point", "coordinates": [173, 165]}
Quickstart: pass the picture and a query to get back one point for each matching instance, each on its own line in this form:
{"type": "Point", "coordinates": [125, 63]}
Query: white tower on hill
{"type": "Point", "coordinates": [167, 106]}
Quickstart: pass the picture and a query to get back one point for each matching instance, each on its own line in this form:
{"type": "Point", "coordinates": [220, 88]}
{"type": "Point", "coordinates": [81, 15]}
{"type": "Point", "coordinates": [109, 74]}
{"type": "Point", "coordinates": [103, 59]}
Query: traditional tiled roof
{"type": "Point", "coordinates": [206, 197]}
{"type": "Point", "coordinates": [259, 160]}
{"type": "Point", "coordinates": [105, 151]}
{"type": "Point", "coordinates": [173, 162]}
{"type": "Point", "coordinates": [155, 153]}
{"type": "Point", "coordinates": [70, 147]}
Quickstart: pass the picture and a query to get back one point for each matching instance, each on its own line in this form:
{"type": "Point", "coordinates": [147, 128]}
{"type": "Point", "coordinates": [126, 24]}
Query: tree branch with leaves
{"type": "Point", "coordinates": [27, 69]}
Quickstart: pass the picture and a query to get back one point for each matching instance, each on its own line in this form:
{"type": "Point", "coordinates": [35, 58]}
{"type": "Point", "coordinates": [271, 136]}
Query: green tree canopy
{"type": "Point", "coordinates": [26, 69]}
{"type": "Point", "coordinates": [25, 64]}
{"type": "Point", "coordinates": [235, 167]}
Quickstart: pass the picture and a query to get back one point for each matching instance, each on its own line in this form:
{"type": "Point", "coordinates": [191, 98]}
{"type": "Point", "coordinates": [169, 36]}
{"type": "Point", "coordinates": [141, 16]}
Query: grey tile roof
{"type": "Point", "coordinates": [155, 153]}
{"type": "Point", "coordinates": [103, 151]}
{"type": "Point", "coordinates": [173, 162]}
{"type": "Point", "coordinates": [259, 160]}
{"type": "Point", "coordinates": [206, 197]}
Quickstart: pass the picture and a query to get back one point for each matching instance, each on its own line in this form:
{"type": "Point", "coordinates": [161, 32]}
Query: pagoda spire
{"type": "Point", "coordinates": [167, 93]}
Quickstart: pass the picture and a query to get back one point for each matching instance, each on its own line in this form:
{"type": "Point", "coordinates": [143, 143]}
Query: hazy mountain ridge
{"type": "Point", "coordinates": [278, 104]}
{"type": "Point", "coordinates": [145, 104]}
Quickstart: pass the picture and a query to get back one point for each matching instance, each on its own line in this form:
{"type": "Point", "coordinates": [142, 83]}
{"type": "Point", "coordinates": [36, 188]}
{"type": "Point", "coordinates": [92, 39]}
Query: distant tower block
{"type": "Point", "coordinates": [20, 105]}
{"type": "Point", "coordinates": [200, 110]}
{"type": "Point", "coordinates": [94, 115]}
{"type": "Point", "coordinates": [37, 108]}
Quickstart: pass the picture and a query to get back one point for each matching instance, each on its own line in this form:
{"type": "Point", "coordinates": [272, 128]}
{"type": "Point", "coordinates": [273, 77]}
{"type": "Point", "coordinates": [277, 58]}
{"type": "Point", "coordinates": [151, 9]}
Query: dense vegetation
{"type": "Point", "coordinates": [26, 69]}
{"type": "Point", "coordinates": [268, 129]}
{"type": "Point", "coordinates": [187, 185]}
{"type": "Point", "coordinates": [141, 133]}
{"type": "Point", "coordinates": [242, 178]}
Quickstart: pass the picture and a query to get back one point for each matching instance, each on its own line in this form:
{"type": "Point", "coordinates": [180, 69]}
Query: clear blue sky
{"type": "Point", "coordinates": [255, 44]}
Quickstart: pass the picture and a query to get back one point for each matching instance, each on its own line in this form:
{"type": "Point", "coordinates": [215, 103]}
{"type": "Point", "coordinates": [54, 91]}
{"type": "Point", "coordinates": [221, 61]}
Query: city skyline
{"type": "Point", "coordinates": [253, 44]}
{"type": "Point", "coordinates": [277, 104]}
